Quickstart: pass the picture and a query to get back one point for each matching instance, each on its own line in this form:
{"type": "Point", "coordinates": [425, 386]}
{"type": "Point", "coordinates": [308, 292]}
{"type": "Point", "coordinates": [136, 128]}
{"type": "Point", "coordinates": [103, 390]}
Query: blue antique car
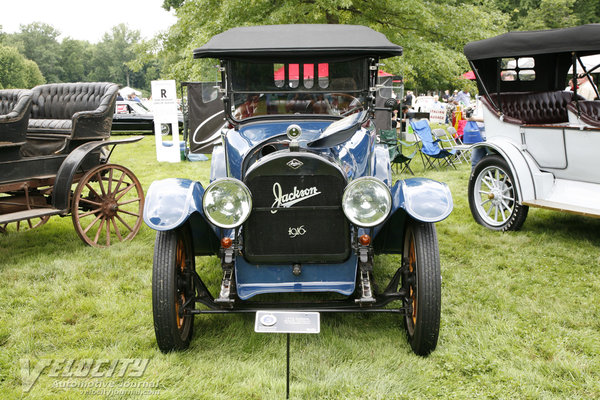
{"type": "Point", "coordinates": [301, 196]}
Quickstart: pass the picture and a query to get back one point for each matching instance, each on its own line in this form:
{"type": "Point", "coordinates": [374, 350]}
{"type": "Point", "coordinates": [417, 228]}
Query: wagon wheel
{"type": "Point", "coordinates": [24, 224]}
{"type": "Point", "coordinates": [422, 281]}
{"type": "Point", "coordinates": [107, 205]}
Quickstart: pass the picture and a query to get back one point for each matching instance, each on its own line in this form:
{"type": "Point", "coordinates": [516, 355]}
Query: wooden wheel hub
{"type": "Point", "coordinates": [110, 207]}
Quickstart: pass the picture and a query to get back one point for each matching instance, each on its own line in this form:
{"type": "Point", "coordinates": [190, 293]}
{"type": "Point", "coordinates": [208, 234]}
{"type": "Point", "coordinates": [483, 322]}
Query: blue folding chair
{"type": "Point", "coordinates": [431, 151]}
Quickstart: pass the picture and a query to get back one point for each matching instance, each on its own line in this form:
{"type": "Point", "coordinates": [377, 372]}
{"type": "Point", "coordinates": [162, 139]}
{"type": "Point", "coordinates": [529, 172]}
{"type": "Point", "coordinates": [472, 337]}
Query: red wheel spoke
{"type": "Point", "coordinates": [87, 184]}
{"type": "Point", "coordinates": [101, 184]}
{"type": "Point", "coordinates": [110, 178]}
{"type": "Point", "coordinates": [96, 203]}
{"type": "Point", "coordinates": [85, 231]}
{"type": "Point", "coordinates": [117, 231]}
{"type": "Point", "coordinates": [129, 201]}
{"type": "Point", "coordinates": [99, 230]}
{"type": "Point", "coordinates": [124, 192]}
{"type": "Point", "coordinates": [129, 213]}
{"type": "Point", "coordinates": [123, 222]}
{"type": "Point", "coordinates": [120, 182]}
{"type": "Point", "coordinates": [107, 233]}
{"type": "Point", "coordinates": [89, 213]}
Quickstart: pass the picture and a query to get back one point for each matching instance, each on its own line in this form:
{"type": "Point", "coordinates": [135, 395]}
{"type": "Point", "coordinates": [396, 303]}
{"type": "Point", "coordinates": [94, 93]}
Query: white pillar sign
{"type": "Point", "coordinates": [164, 108]}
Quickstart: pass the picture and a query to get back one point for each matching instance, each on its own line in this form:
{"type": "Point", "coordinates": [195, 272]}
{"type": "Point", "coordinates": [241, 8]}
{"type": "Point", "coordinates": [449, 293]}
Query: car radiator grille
{"type": "Point", "coordinates": [297, 212]}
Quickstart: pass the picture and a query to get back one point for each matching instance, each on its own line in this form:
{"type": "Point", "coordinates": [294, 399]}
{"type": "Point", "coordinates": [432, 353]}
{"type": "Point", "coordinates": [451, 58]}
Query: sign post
{"type": "Point", "coordinates": [287, 322]}
{"type": "Point", "coordinates": [164, 108]}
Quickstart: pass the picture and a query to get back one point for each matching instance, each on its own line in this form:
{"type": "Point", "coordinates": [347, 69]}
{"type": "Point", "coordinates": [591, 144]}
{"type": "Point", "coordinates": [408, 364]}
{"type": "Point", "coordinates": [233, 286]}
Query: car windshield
{"type": "Point", "coordinates": [272, 88]}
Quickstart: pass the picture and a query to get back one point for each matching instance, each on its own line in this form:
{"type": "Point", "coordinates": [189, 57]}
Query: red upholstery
{"type": "Point", "coordinates": [589, 111]}
{"type": "Point", "coordinates": [533, 107]}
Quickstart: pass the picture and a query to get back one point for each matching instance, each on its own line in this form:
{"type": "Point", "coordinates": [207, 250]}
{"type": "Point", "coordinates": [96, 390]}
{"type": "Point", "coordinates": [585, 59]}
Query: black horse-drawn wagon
{"type": "Point", "coordinates": [55, 136]}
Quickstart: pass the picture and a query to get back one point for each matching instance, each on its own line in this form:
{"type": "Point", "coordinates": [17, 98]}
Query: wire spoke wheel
{"type": "Point", "coordinates": [107, 205]}
{"type": "Point", "coordinates": [173, 289]}
{"type": "Point", "coordinates": [493, 197]}
{"type": "Point", "coordinates": [24, 224]}
{"type": "Point", "coordinates": [422, 282]}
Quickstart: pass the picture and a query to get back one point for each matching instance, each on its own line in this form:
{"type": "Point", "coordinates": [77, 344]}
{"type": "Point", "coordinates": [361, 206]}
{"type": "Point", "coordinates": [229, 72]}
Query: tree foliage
{"type": "Point", "coordinates": [38, 42]}
{"type": "Point", "coordinates": [432, 33]}
{"type": "Point", "coordinates": [16, 71]}
{"type": "Point", "coordinates": [79, 61]}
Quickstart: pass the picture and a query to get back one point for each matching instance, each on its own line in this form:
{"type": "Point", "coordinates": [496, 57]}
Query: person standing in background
{"type": "Point", "coordinates": [408, 100]}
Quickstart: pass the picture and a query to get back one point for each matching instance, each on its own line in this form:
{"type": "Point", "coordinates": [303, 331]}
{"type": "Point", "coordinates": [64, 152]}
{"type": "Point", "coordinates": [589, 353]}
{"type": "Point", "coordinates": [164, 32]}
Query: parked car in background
{"type": "Point", "coordinates": [542, 140]}
{"type": "Point", "coordinates": [301, 197]}
{"type": "Point", "coordinates": [134, 116]}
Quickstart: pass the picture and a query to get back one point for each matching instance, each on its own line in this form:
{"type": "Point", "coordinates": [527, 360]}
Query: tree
{"type": "Point", "coordinates": [550, 14]}
{"type": "Point", "coordinates": [547, 14]}
{"type": "Point", "coordinates": [38, 42]}
{"type": "Point", "coordinates": [432, 33]}
{"type": "Point", "coordinates": [168, 4]}
{"type": "Point", "coordinates": [111, 55]}
{"type": "Point", "coordinates": [75, 59]}
{"type": "Point", "coordinates": [16, 72]}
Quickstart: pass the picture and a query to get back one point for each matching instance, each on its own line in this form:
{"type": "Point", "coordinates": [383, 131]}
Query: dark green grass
{"type": "Point", "coordinates": [520, 315]}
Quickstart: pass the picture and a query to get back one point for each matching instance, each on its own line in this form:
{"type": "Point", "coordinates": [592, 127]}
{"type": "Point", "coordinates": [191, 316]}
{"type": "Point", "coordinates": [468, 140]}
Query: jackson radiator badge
{"type": "Point", "coordinates": [294, 164]}
{"type": "Point", "coordinates": [289, 199]}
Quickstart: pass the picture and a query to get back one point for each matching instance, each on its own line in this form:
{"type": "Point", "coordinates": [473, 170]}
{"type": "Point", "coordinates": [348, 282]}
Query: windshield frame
{"type": "Point", "coordinates": [363, 93]}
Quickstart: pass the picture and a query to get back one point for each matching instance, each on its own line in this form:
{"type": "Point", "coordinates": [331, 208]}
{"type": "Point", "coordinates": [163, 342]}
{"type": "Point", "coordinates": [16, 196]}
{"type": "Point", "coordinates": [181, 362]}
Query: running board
{"type": "Point", "coordinates": [552, 205]}
{"type": "Point", "coordinates": [28, 214]}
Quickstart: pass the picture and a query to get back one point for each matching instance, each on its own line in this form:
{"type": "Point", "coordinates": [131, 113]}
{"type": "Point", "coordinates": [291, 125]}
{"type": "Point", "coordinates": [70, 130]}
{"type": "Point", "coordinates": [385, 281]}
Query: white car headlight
{"type": "Point", "coordinates": [227, 202]}
{"type": "Point", "coordinates": [367, 201]}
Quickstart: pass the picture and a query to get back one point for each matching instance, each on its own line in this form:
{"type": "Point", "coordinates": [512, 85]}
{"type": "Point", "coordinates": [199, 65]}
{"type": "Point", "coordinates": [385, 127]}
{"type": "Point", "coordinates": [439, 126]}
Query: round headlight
{"type": "Point", "coordinates": [227, 203]}
{"type": "Point", "coordinates": [367, 202]}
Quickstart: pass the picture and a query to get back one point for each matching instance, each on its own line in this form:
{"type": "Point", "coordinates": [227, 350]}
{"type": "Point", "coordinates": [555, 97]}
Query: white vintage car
{"type": "Point", "coordinates": [543, 141]}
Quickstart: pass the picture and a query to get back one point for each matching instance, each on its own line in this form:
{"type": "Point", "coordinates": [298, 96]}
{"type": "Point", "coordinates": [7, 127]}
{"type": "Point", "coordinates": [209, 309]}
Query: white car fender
{"type": "Point", "coordinates": [524, 170]}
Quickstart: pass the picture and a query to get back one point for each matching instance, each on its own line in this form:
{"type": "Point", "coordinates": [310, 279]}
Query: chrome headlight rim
{"type": "Point", "coordinates": [244, 189]}
{"type": "Point", "coordinates": [388, 201]}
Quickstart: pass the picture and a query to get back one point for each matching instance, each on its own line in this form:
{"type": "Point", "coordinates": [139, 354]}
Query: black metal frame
{"type": "Point", "coordinates": [393, 292]}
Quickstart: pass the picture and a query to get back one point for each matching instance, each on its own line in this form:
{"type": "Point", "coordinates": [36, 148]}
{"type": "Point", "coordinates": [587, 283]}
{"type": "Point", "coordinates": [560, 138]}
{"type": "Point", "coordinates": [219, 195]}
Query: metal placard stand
{"type": "Point", "coordinates": [287, 322]}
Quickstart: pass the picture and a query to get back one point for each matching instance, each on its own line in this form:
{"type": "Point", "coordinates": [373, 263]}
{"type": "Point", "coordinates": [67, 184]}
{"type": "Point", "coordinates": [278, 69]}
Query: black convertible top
{"type": "Point", "coordinates": [298, 41]}
{"type": "Point", "coordinates": [582, 39]}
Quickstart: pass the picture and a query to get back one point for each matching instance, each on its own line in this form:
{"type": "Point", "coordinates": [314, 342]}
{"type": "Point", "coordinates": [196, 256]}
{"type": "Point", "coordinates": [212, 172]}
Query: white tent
{"type": "Point", "coordinates": [126, 91]}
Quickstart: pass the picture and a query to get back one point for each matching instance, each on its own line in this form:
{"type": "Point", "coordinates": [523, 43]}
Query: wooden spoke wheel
{"type": "Point", "coordinates": [25, 224]}
{"type": "Point", "coordinates": [107, 205]}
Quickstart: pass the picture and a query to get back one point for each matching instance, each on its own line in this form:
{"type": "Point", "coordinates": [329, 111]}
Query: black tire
{"type": "Point", "coordinates": [423, 282]}
{"type": "Point", "coordinates": [172, 285]}
{"type": "Point", "coordinates": [493, 197]}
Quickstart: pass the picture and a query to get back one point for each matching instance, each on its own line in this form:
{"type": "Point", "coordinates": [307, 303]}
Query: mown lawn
{"type": "Point", "coordinates": [520, 318]}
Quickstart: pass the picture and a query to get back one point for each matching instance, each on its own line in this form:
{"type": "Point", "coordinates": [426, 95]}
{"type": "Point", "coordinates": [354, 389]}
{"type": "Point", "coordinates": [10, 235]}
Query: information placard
{"type": "Point", "coordinates": [164, 108]}
{"type": "Point", "coordinates": [287, 322]}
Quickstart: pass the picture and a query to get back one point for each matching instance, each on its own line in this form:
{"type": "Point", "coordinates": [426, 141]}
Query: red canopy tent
{"type": "Point", "coordinates": [468, 75]}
